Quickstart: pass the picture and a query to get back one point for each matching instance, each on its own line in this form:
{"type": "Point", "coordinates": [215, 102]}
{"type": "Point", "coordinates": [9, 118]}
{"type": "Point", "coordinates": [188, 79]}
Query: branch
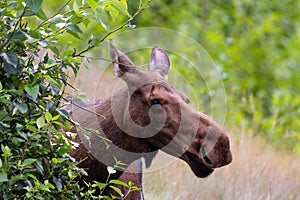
{"type": "Point", "coordinates": [83, 108]}
{"type": "Point", "coordinates": [105, 140]}
{"type": "Point", "coordinates": [101, 58]}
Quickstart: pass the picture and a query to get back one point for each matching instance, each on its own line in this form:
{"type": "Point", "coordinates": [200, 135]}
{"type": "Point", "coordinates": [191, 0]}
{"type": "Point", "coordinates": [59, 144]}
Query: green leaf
{"type": "Point", "coordinates": [48, 116]}
{"type": "Point", "coordinates": [42, 15]}
{"type": "Point", "coordinates": [4, 98]}
{"type": "Point", "coordinates": [117, 190]}
{"type": "Point", "coordinates": [26, 13]}
{"type": "Point", "coordinates": [93, 4]}
{"type": "Point", "coordinates": [14, 111]}
{"type": "Point", "coordinates": [3, 177]}
{"type": "Point", "coordinates": [29, 161]}
{"type": "Point", "coordinates": [74, 28]}
{"type": "Point", "coordinates": [22, 107]}
{"type": "Point", "coordinates": [34, 5]}
{"type": "Point", "coordinates": [55, 19]}
{"type": "Point", "coordinates": [35, 34]}
{"type": "Point", "coordinates": [118, 182]}
{"type": "Point", "coordinates": [40, 122]}
{"type": "Point", "coordinates": [17, 140]}
{"type": "Point", "coordinates": [4, 116]}
{"type": "Point", "coordinates": [39, 166]}
{"type": "Point", "coordinates": [10, 58]}
{"type": "Point", "coordinates": [135, 188]}
{"type": "Point", "coordinates": [0, 86]}
{"type": "Point", "coordinates": [120, 7]}
{"type": "Point", "coordinates": [31, 128]}
{"type": "Point", "coordinates": [58, 160]}
{"type": "Point", "coordinates": [19, 127]}
{"type": "Point", "coordinates": [75, 6]}
{"type": "Point", "coordinates": [102, 18]}
{"type": "Point", "coordinates": [32, 90]}
{"type": "Point", "coordinates": [64, 113]}
{"type": "Point", "coordinates": [10, 69]}
{"type": "Point", "coordinates": [112, 11]}
{"type": "Point", "coordinates": [18, 36]}
{"type": "Point", "coordinates": [5, 151]}
{"type": "Point", "coordinates": [54, 49]}
{"type": "Point", "coordinates": [100, 185]}
{"type": "Point", "coordinates": [58, 183]}
{"type": "Point", "coordinates": [124, 2]}
{"type": "Point", "coordinates": [62, 151]}
{"type": "Point", "coordinates": [56, 117]}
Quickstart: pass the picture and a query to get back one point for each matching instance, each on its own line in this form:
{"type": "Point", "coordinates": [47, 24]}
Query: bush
{"type": "Point", "coordinates": [34, 60]}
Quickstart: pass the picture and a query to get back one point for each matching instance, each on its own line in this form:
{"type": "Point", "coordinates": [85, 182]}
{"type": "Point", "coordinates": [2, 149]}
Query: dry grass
{"type": "Point", "coordinates": [257, 172]}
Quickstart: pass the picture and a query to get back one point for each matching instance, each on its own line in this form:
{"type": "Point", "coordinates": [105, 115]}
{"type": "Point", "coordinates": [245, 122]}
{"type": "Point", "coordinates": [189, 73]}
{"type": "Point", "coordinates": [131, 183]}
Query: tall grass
{"type": "Point", "coordinates": [258, 172]}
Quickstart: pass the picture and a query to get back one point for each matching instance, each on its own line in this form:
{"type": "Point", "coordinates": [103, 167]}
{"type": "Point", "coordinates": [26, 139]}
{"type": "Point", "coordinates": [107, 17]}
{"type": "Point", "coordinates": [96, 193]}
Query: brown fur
{"type": "Point", "coordinates": [178, 129]}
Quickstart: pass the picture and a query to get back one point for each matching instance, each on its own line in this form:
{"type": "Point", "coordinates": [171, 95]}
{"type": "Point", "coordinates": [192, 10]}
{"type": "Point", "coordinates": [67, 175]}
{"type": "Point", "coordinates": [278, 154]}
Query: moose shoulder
{"type": "Point", "coordinates": [146, 116]}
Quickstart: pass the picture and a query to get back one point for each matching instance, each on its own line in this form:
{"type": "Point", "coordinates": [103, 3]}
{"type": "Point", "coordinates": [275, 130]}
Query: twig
{"type": "Point", "coordinates": [72, 86]}
{"type": "Point", "coordinates": [89, 130]}
{"type": "Point", "coordinates": [105, 59]}
{"type": "Point", "coordinates": [83, 108]}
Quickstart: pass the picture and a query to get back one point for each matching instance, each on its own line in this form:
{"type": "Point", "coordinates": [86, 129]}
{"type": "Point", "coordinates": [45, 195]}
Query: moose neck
{"type": "Point", "coordinates": [108, 120]}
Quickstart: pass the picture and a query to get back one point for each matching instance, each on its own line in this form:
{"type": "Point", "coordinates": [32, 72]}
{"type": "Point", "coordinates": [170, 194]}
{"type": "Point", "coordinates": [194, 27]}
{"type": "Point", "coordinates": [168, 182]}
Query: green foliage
{"type": "Point", "coordinates": [35, 58]}
{"type": "Point", "coordinates": [112, 184]}
{"type": "Point", "coordinates": [255, 44]}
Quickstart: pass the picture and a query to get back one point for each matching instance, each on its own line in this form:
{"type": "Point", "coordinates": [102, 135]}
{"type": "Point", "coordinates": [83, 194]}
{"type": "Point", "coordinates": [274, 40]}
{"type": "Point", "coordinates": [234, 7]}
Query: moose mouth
{"type": "Point", "coordinates": [199, 166]}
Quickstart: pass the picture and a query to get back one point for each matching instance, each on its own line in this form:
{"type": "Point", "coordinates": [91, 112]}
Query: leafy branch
{"type": "Point", "coordinates": [125, 24]}
{"type": "Point", "coordinates": [57, 13]}
{"type": "Point", "coordinates": [33, 77]}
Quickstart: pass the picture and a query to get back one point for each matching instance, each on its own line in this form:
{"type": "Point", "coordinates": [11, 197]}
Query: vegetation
{"type": "Point", "coordinates": [35, 57]}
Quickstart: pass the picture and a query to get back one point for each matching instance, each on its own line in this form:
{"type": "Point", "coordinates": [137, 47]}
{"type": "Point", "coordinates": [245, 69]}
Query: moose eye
{"type": "Point", "coordinates": [154, 101]}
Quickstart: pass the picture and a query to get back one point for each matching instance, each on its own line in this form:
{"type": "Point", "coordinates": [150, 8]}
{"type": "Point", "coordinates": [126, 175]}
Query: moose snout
{"type": "Point", "coordinates": [217, 153]}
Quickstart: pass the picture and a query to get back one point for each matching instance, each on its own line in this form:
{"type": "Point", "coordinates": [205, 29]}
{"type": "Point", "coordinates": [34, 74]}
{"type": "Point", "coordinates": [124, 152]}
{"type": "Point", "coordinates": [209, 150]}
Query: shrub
{"type": "Point", "coordinates": [34, 60]}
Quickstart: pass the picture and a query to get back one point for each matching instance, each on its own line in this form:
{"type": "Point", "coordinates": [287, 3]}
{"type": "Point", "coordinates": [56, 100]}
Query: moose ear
{"type": "Point", "coordinates": [159, 62]}
{"type": "Point", "coordinates": [121, 62]}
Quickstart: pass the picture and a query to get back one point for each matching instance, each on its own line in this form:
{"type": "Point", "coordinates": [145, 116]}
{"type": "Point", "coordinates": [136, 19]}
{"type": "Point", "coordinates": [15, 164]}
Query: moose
{"type": "Point", "coordinates": [146, 116]}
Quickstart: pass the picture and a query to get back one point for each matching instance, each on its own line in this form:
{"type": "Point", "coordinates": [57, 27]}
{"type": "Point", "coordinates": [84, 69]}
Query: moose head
{"type": "Point", "coordinates": [152, 115]}
{"type": "Point", "coordinates": [146, 116]}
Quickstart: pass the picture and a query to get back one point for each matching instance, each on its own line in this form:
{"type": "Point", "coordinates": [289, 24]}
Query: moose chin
{"type": "Point", "coordinates": [146, 116]}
